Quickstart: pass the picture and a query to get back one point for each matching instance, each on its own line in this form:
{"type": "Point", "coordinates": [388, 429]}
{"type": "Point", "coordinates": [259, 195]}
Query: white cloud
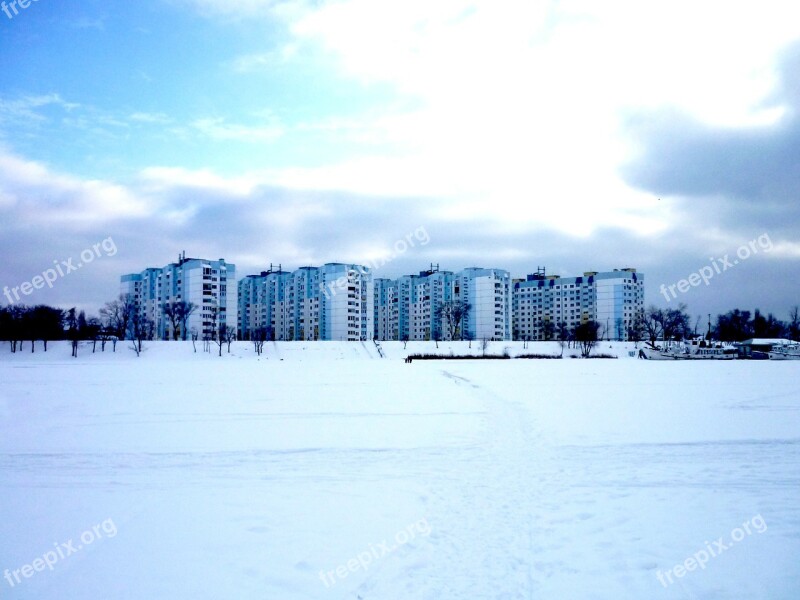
{"type": "Point", "coordinates": [219, 129]}
{"type": "Point", "coordinates": [44, 197]}
{"type": "Point", "coordinates": [28, 108]}
{"type": "Point", "coordinates": [156, 180]}
{"type": "Point", "coordinates": [519, 101]}
{"type": "Point", "coordinates": [247, 63]}
{"type": "Point", "coordinates": [150, 118]}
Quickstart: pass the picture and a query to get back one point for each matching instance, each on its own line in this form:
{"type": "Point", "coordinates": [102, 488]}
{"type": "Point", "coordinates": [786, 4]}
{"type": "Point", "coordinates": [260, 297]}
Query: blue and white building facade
{"type": "Point", "coordinates": [406, 308]}
{"type": "Point", "coordinates": [346, 302]}
{"type": "Point", "coordinates": [488, 291]}
{"type": "Point", "coordinates": [386, 309]}
{"type": "Point", "coordinates": [210, 285]}
{"type": "Point", "coordinates": [541, 303]}
{"type": "Point", "coordinates": [331, 302]}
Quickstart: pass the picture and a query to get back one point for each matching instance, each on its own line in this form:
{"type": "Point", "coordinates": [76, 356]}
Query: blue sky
{"type": "Point", "coordinates": [576, 135]}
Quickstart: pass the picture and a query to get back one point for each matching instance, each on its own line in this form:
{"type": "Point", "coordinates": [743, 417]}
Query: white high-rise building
{"type": "Point", "coordinates": [488, 291]}
{"type": "Point", "coordinates": [209, 285]}
{"type": "Point", "coordinates": [346, 302]}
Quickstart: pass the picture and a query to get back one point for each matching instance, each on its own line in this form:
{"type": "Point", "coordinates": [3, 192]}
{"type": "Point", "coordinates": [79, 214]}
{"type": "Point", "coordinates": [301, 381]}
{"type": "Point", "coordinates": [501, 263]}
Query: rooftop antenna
{"type": "Point", "coordinates": [434, 268]}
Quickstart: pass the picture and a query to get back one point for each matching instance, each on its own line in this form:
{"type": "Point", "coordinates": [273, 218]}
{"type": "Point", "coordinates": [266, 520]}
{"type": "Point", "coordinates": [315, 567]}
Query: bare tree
{"type": "Point", "coordinates": [117, 314]}
{"type": "Point", "coordinates": [106, 335]}
{"type": "Point", "coordinates": [677, 323]}
{"type": "Point", "coordinates": [141, 330]}
{"type": "Point", "coordinates": [636, 329]}
{"type": "Point", "coordinates": [222, 334]}
{"type": "Point", "coordinates": [218, 329]}
{"type": "Point", "coordinates": [72, 331]}
{"type": "Point", "coordinates": [172, 311]}
{"type": "Point", "coordinates": [40, 322]}
{"type": "Point", "coordinates": [29, 326]}
{"type": "Point", "coordinates": [258, 336]}
{"type": "Point", "coordinates": [671, 324]}
{"type": "Point", "coordinates": [653, 324]}
{"type": "Point", "coordinates": [562, 331]}
{"type": "Point", "coordinates": [178, 313]}
{"type": "Point", "coordinates": [793, 326]}
{"type": "Point", "coordinates": [230, 336]}
{"type": "Point", "coordinates": [453, 313]}
{"type": "Point", "coordinates": [92, 331]}
{"type": "Point", "coordinates": [587, 336]}
{"type": "Point", "coordinates": [187, 308]}
{"type": "Point", "coordinates": [9, 326]}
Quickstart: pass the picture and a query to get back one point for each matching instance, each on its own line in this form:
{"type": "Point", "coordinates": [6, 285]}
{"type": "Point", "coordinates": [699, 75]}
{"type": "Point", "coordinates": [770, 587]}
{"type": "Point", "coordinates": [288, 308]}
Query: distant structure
{"type": "Point", "coordinates": [541, 303]}
{"type": "Point", "coordinates": [407, 308]}
{"type": "Point", "coordinates": [331, 302]}
{"type": "Point", "coordinates": [342, 302]}
{"type": "Point", "coordinates": [208, 284]}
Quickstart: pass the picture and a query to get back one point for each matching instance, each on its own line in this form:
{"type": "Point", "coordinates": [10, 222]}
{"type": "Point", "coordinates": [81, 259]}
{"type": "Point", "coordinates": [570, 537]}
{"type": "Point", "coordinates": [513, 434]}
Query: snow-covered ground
{"type": "Point", "coordinates": [323, 471]}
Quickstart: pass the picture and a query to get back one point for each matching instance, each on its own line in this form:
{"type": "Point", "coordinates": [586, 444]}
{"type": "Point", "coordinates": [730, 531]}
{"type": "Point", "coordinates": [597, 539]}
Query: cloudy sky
{"type": "Point", "coordinates": [576, 135]}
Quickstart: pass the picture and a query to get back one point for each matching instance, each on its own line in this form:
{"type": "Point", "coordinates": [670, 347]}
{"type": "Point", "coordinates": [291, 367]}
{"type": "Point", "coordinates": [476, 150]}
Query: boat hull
{"type": "Point", "coordinates": [783, 356]}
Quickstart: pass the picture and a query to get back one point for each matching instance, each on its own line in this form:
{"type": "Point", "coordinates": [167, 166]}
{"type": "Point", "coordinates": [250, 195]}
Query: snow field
{"type": "Point", "coordinates": [241, 477]}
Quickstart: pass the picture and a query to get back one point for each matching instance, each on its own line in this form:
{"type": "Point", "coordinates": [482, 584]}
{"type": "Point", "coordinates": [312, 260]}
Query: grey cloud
{"type": "Point", "coordinates": [295, 227]}
{"type": "Point", "coordinates": [755, 169]}
{"type": "Point", "coordinates": [738, 183]}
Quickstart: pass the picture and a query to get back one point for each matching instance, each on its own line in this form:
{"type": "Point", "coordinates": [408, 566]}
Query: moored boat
{"type": "Point", "coordinates": [785, 352]}
{"type": "Point", "coordinates": [691, 350]}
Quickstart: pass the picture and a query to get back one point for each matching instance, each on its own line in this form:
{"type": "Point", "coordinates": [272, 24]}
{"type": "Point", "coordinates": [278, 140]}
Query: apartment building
{"type": "Point", "coordinates": [209, 285]}
{"type": "Point", "coordinates": [488, 291]}
{"type": "Point", "coordinates": [346, 310]}
{"type": "Point", "coordinates": [386, 310]}
{"type": "Point", "coordinates": [339, 301]}
{"type": "Point", "coordinates": [542, 303]}
{"type": "Point", "coordinates": [407, 308]}
{"type": "Point", "coordinates": [264, 308]}
{"type": "Point", "coordinates": [332, 302]}
{"type": "Point", "coordinates": [302, 306]}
